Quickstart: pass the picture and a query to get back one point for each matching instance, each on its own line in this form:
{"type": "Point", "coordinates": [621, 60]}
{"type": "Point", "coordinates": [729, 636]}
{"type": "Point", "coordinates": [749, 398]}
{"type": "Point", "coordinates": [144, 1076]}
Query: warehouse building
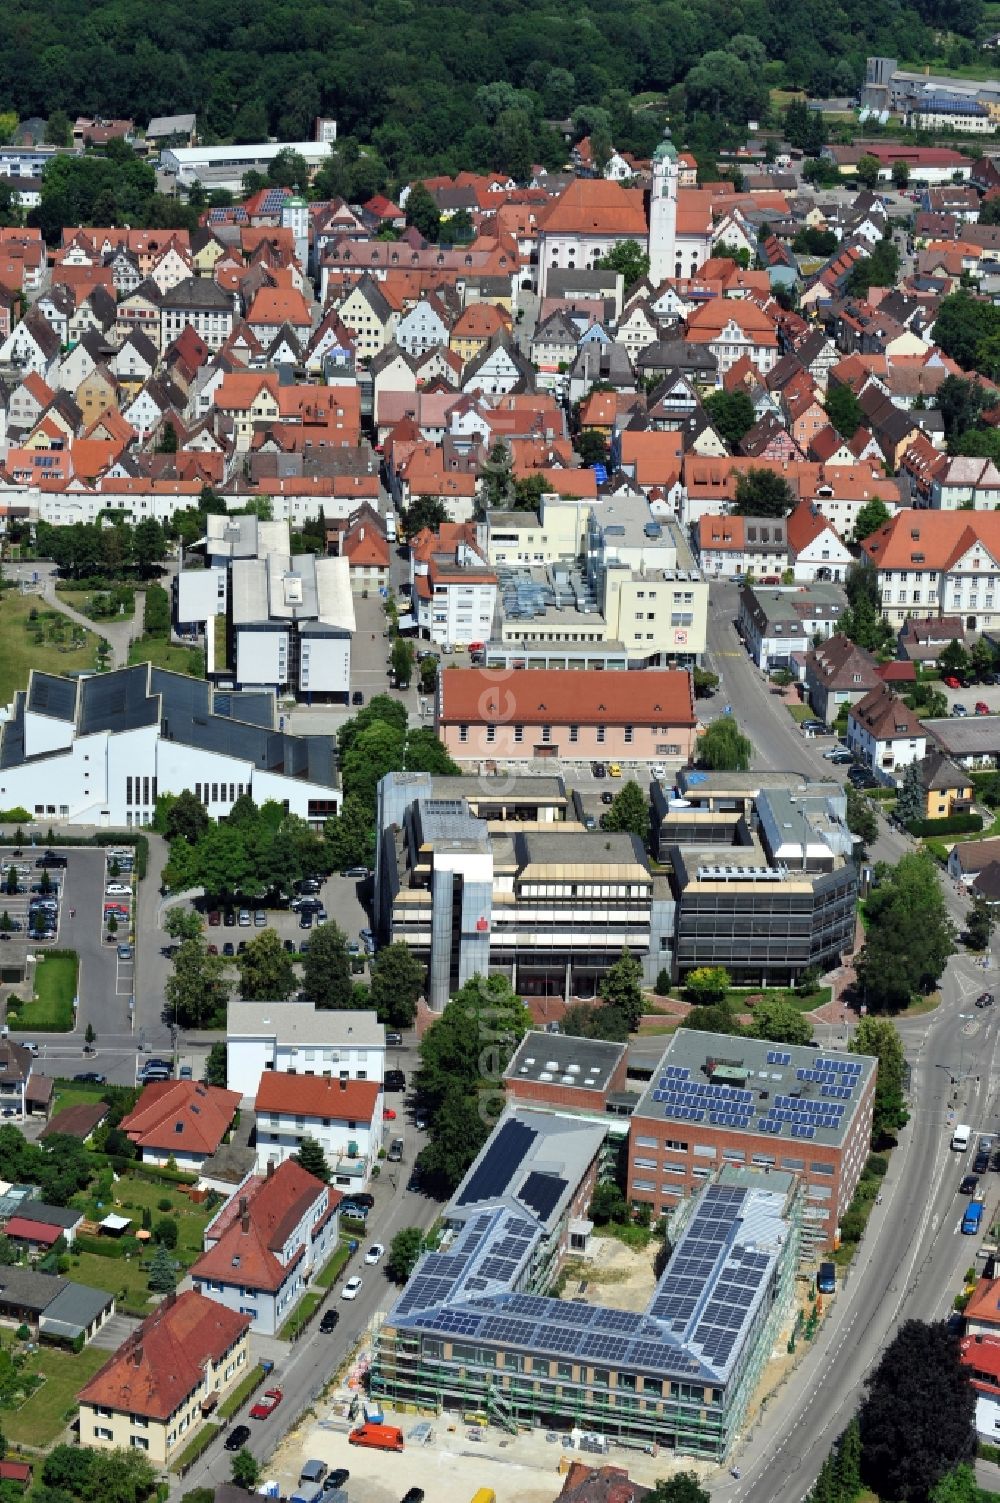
{"type": "Point", "coordinates": [473, 1329]}
{"type": "Point", "coordinates": [716, 1099]}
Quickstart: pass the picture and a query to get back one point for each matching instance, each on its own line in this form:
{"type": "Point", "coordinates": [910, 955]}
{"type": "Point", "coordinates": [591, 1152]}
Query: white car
{"type": "Point", "coordinates": [659, 771]}
{"type": "Point", "coordinates": [117, 890]}
{"type": "Point", "coordinates": [351, 1289]}
{"type": "Point", "coordinates": [374, 1253]}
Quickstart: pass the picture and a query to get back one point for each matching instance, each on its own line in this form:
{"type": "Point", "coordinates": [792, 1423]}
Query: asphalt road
{"type": "Point", "coordinates": [302, 1369]}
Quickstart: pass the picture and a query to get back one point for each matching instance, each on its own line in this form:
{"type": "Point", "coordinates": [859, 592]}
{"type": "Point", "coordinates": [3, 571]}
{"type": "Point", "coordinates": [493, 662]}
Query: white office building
{"type": "Point", "coordinates": [298, 1038]}
{"type": "Point", "coordinates": [291, 624]}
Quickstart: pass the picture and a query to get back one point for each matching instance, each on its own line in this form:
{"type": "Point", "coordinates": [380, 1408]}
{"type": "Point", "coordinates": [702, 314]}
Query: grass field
{"type": "Point", "coordinates": [800, 713]}
{"type": "Point", "coordinates": [133, 1196]}
{"type": "Point", "coordinates": [51, 1008]}
{"type": "Point", "coordinates": [301, 1313]}
{"type": "Point", "coordinates": [40, 1421]}
{"type": "Point", "coordinates": [63, 647]}
{"type": "Point", "coordinates": [801, 1001]}
{"type": "Point", "coordinates": [125, 1279]}
{"type": "Point", "coordinates": [164, 654]}
{"type": "Point", "coordinates": [71, 1093]}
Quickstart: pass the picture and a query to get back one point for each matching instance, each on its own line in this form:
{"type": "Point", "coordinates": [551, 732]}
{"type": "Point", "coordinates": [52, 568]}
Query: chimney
{"type": "Point", "coordinates": [270, 1168]}
{"type": "Point", "coordinates": [137, 1356]}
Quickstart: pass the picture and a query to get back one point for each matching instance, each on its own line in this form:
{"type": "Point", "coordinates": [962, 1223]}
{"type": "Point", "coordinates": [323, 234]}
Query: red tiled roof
{"type": "Point", "coordinates": [181, 1115]}
{"type": "Point", "coordinates": [162, 1363]}
{"type": "Point", "coordinates": [247, 1251]}
{"type": "Point", "coordinates": [317, 1096]}
{"type": "Point", "coordinates": [592, 206]}
{"type": "Point", "coordinates": [659, 696]}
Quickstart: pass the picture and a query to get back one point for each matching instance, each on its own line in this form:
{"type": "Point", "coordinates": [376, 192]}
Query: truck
{"type": "Point", "coordinates": [972, 1219]}
{"type": "Point", "coordinates": [960, 1137]}
{"type": "Point", "coordinates": [377, 1437]}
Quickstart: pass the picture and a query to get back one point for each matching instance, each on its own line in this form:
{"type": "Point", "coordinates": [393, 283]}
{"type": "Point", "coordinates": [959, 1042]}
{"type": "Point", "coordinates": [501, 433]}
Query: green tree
{"type": "Point", "coordinates": [592, 446]}
{"type": "Point", "coordinates": [868, 169]}
{"type": "Point", "coordinates": [404, 1250]}
{"type": "Point", "coordinates": [682, 1487]}
{"type": "Point", "coordinates": [628, 258]}
{"type": "Point", "coordinates": [428, 675]}
{"type": "Point", "coordinates": [217, 1065]}
{"type": "Point", "coordinates": [398, 981]}
{"type": "Point", "coordinates": [848, 1462]}
{"type": "Point", "coordinates": [497, 477]}
{"type": "Point", "coordinates": [166, 1231]}
{"type": "Point", "coordinates": [422, 212]}
{"type": "Point", "coordinates": [120, 1476]}
{"type": "Point", "coordinates": [477, 1032]}
{"type": "Point", "coordinates": [266, 970]}
{"type": "Point", "coordinates": [862, 820]}
{"type": "Point", "coordinates": [629, 812]}
{"type": "Point", "coordinates": [378, 750]}
{"type": "Point", "coordinates": [957, 1486]}
{"type": "Point", "coordinates": [961, 325]}
{"type": "Point", "coordinates": [960, 403]}
{"type": "Point", "coordinates": [424, 512]}
{"type": "Point", "coordinates": [723, 746]}
{"type": "Point", "coordinates": [989, 209]}
{"type": "Point", "coordinates": [844, 411]}
{"type": "Point", "coordinates": [621, 987]}
{"type": "Point", "coordinates": [350, 835]}
{"type": "Point", "coordinates": [289, 169]}
{"type": "Point", "coordinates": [402, 662]}
{"type": "Point", "coordinates": [732, 414]}
{"type": "Point", "coordinates": [58, 131]}
{"type": "Point", "coordinates": [588, 1020]}
{"type": "Point", "coordinates": [312, 1159]}
{"type": "Point", "coordinates": [182, 923]}
{"type": "Point", "coordinates": [187, 818]}
{"type": "Point", "coordinates": [763, 493]}
{"type": "Point", "coordinates": [873, 515]}
{"type": "Point", "coordinates": [162, 1273]}
{"type": "Point", "coordinates": [983, 656]}
{"type": "Point", "coordinates": [954, 659]}
{"type": "Point", "coordinates": [781, 1022]}
{"type": "Point", "coordinates": [909, 936]}
{"type": "Point", "coordinates": [900, 174]}
{"type": "Point", "coordinates": [166, 439]}
{"type": "Point", "coordinates": [327, 968]}
{"type": "Point", "coordinates": [878, 1038]}
{"type": "Point", "coordinates": [863, 621]}
{"type": "Point", "coordinates": [707, 984]}
{"type": "Point", "coordinates": [911, 801]}
{"type": "Point", "coordinates": [979, 923]}
{"type": "Point", "coordinates": [608, 1204]}
{"type": "Point", "coordinates": [917, 1421]}
{"type": "Point", "coordinates": [197, 990]}
{"type": "Point", "coordinates": [245, 1470]}
{"type": "Point", "coordinates": [149, 541]}
{"type": "Point", "coordinates": [878, 269]}
{"type": "Point", "coordinates": [458, 1131]}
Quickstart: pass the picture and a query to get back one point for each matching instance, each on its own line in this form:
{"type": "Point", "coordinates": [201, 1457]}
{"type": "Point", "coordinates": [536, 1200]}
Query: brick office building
{"type": "Point", "coordinates": [564, 1074]}
{"type": "Point", "coordinates": [716, 1099]}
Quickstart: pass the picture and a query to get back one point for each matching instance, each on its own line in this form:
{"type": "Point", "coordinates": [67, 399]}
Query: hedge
{"type": "Point", "coordinates": [134, 838]}
{"type": "Point", "coordinates": [159, 1173]}
{"type": "Point", "coordinates": [102, 1247]}
{"type": "Point", "coordinates": [957, 824]}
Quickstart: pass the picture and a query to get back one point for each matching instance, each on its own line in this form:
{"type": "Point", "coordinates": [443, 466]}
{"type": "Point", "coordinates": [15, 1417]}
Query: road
{"type": "Point", "coordinates": [302, 1369]}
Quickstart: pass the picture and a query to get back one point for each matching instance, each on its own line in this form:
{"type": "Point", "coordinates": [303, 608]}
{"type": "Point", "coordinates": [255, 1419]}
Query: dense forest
{"type": "Point", "coordinates": [419, 84]}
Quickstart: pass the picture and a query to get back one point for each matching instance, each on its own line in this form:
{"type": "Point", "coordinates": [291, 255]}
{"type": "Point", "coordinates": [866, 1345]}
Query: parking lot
{"type": "Point", "coordinates": [344, 903]}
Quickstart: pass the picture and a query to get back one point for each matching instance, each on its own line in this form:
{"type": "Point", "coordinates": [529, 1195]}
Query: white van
{"type": "Point", "coordinates": [960, 1137]}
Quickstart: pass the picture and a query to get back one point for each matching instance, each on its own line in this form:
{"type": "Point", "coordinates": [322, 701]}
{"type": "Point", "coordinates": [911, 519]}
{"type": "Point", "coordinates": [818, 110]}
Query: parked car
{"type": "Point", "coordinates": [351, 1289]}
{"type": "Point", "coordinates": [959, 709]}
{"type": "Point", "coordinates": [118, 889]}
{"type": "Point", "coordinates": [229, 948]}
{"type": "Point", "coordinates": [360, 873]}
{"type": "Point", "coordinates": [952, 682]}
{"type": "Point", "coordinates": [52, 860]}
{"type": "Point", "coordinates": [607, 797]}
{"type": "Point", "coordinates": [361, 1198]}
{"type": "Point", "coordinates": [305, 920]}
{"type": "Point", "coordinates": [614, 770]}
{"type": "Point", "coordinates": [388, 1115]}
{"type": "Point", "coordinates": [969, 1185]}
{"type": "Point", "coordinates": [214, 919]}
{"type": "Point", "coordinates": [599, 770]}
{"type": "Point", "coordinates": [259, 918]}
{"type": "Point", "coordinates": [266, 1406]}
{"type": "Point", "coordinates": [985, 999]}
{"type": "Point", "coordinates": [90, 1077]}
{"type": "Point", "coordinates": [982, 708]}
{"type": "Point", "coordinates": [230, 919]}
{"type": "Point", "coordinates": [340, 1475]}
{"type": "Point", "coordinates": [393, 1037]}
{"type": "Point", "coordinates": [841, 757]}
{"type": "Point", "coordinates": [237, 1438]}
{"type": "Point", "coordinates": [244, 918]}
{"type": "Point", "coordinates": [124, 952]}
{"type": "Point", "coordinates": [357, 698]}
{"type": "Point", "coordinates": [329, 1321]}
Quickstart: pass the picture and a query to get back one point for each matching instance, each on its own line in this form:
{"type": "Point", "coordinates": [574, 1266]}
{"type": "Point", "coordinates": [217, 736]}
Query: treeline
{"type": "Point", "coordinates": [451, 85]}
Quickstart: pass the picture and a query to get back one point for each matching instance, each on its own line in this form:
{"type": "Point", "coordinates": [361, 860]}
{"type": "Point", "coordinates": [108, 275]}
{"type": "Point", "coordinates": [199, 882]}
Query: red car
{"type": "Point", "coordinates": [268, 1404]}
{"type": "Point", "coordinates": [952, 682]}
{"type": "Point", "coordinates": [388, 1115]}
{"type": "Point", "coordinates": [982, 708]}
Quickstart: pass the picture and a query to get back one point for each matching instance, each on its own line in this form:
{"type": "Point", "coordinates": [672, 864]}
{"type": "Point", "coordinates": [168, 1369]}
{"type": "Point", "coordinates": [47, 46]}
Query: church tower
{"type": "Point", "coordinates": [663, 212]}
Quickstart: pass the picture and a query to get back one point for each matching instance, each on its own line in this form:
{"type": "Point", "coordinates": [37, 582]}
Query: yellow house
{"type": "Point", "coordinates": [95, 394]}
{"type": "Point", "coordinates": [206, 250]}
{"type": "Point", "coordinates": [946, 786]}
{"type": "Point", "coordinates": [156, 1390]}
{"type": "Point", "coordinates": [475, 327]}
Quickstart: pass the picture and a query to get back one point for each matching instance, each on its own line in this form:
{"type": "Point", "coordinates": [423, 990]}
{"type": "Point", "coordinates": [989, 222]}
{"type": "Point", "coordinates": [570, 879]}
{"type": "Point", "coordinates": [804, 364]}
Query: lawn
{"type": "Point", "coordinates": [332, 1268]}
{"type": "Point", "coordinates": [201, 1442]}
{"type": "Point", "coordinates": [124, 1278]}
{"type": "Point", "coordinates": [164, 654]}
{"type": "Point", "coordinates": [800, 713]}
{"type": "Point", "coordinates": [71, 1093]}
{"type": "Point", "coordinates": [40, 1421]}
{"type": "Point", "coordinates": [48, 641]}
{"type": "Point", "coordinates": [301, 1313]}
{"type": "Point", "coordinates": [801, 1001]}
{"type": "Point", "coordinates": [51, 1007]}
{"type": "Point", "coordinates": [133, 1196]}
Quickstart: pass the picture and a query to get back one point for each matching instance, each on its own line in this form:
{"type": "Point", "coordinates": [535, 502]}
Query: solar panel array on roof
{"type": "Point", "coordinates": [685, 1100]}
{"type": "Point", "coordinates": [542, 1192]}
{"type": "Point", "coordinates": [499, 1164]}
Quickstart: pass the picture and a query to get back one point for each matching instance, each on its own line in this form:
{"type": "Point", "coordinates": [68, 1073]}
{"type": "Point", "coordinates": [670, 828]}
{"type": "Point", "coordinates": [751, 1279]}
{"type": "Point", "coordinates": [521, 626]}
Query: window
{"type": "Point", "coordinates": [491, 734]}
{"type": "Point", "coordinates": [463, 733]}
{"type": "Point", "coordinates": [601, 730]}
{"type": "Point", "coordinates": [519, 733]}
{"type": "Point", "coordinates": [574, 733]}
{"type": "Point", "coordinates": [629, 734]}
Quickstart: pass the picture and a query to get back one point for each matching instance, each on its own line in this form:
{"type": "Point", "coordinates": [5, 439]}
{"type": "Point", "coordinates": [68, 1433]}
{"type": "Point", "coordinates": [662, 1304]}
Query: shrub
{"type": "Point", "coordinates": [163, 1204]}
{"type": "Point", "coordinates": [956, 824]}
{"type": "Point", "coordinates": [663, 983]}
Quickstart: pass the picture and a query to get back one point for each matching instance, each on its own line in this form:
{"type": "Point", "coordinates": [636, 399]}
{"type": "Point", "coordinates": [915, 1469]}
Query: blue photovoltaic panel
{"type": "Point", "coordinates": [499, 1163]}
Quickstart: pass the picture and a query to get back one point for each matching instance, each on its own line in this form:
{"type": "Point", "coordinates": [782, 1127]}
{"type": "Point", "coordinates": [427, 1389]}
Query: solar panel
{"type": "Point", "coordinates": [542, 1192]}
{"type": "Point", "coordinates": [496, 1169]}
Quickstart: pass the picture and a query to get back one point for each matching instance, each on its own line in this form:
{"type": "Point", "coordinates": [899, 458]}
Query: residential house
{"type": "Point", "coordinates": [777, 624]}
{"type": "Point", "coordinates": [369, 317]}
{"type": "Point", "coordinates": [139, 310]}
{"type": "Point", "coordinates": [181, 1120]}
{"type": "Point", "coordinates": [499, 368]}
{"type": "Point", "coordinates": [453, 588]}
{"type": "Point", "coordinates": [961, 482]}
{"type": "Point", "coordinates": [815, 548]}
{"type": "Point", "coordinates": [838, 673]}
{"type": "Point", "coordinates": [938, 563]}
{"type": "Point", "coordinates": [155, 1391]}
{"type": "Point", "coordinates": [200, 302]}
{"type": "Point", "coordinates": [298, 1038]}
{"type": "Point", "coordinates": [967, 858]}
{"type": "Point", "coordinates": [31, 346]}
{"type": "Point", "coordinates": [731, 547]}
{"type": "Point", "coordinates": [731, 328]}
{"type": "Point", "coordinates": [424, 327]}
{"type": "Point", "coordinates": [343, 1116]}
{"type": "Point", "coordinates": [272, 1236]}
{"type": "Point", "coordinates": [885, 734]}
{"type": "Point", "coordinates": [947, 787]}
{"type": "Point", "coordinates": [475, 327]}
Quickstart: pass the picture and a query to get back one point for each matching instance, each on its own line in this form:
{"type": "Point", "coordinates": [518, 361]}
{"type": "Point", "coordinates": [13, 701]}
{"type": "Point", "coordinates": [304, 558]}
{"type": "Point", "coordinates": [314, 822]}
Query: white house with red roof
{"type": "Point", "coordinates": [181, 1120]}
{"type": "Point", "coordinates": [816, 549]}
{"type": "Point", "coordinates": [343, 1116]}
{"type": "Point", "coordinates": [453, 587]}
{"type": "Point", "coordinates": [272, 1235]}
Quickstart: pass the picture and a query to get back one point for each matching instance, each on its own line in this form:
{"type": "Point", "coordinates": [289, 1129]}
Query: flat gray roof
{"type": "Point", "coordinates": [73, 1310]}
{"type": "Point", "coordinates": [772, 1092]}
{"type": "Point", "coordinates": [304, 1023]}
{"type": "Point", "coordinates": [966, 735]}
{"type": "Point", "coordinates": [587, 1063]}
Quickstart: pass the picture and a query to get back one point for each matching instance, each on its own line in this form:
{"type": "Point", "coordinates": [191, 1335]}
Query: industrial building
{"type": "Point", "coordinates": [226, 166]}
{"type": "Point", "coordinates": [474, 1330]}
{"type": "Point", "coordinates": [291, 622]}
{"type": "Point", "coordinates": [99, 751]}
{"type": "Point", "coordinates": [716, 1099]}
